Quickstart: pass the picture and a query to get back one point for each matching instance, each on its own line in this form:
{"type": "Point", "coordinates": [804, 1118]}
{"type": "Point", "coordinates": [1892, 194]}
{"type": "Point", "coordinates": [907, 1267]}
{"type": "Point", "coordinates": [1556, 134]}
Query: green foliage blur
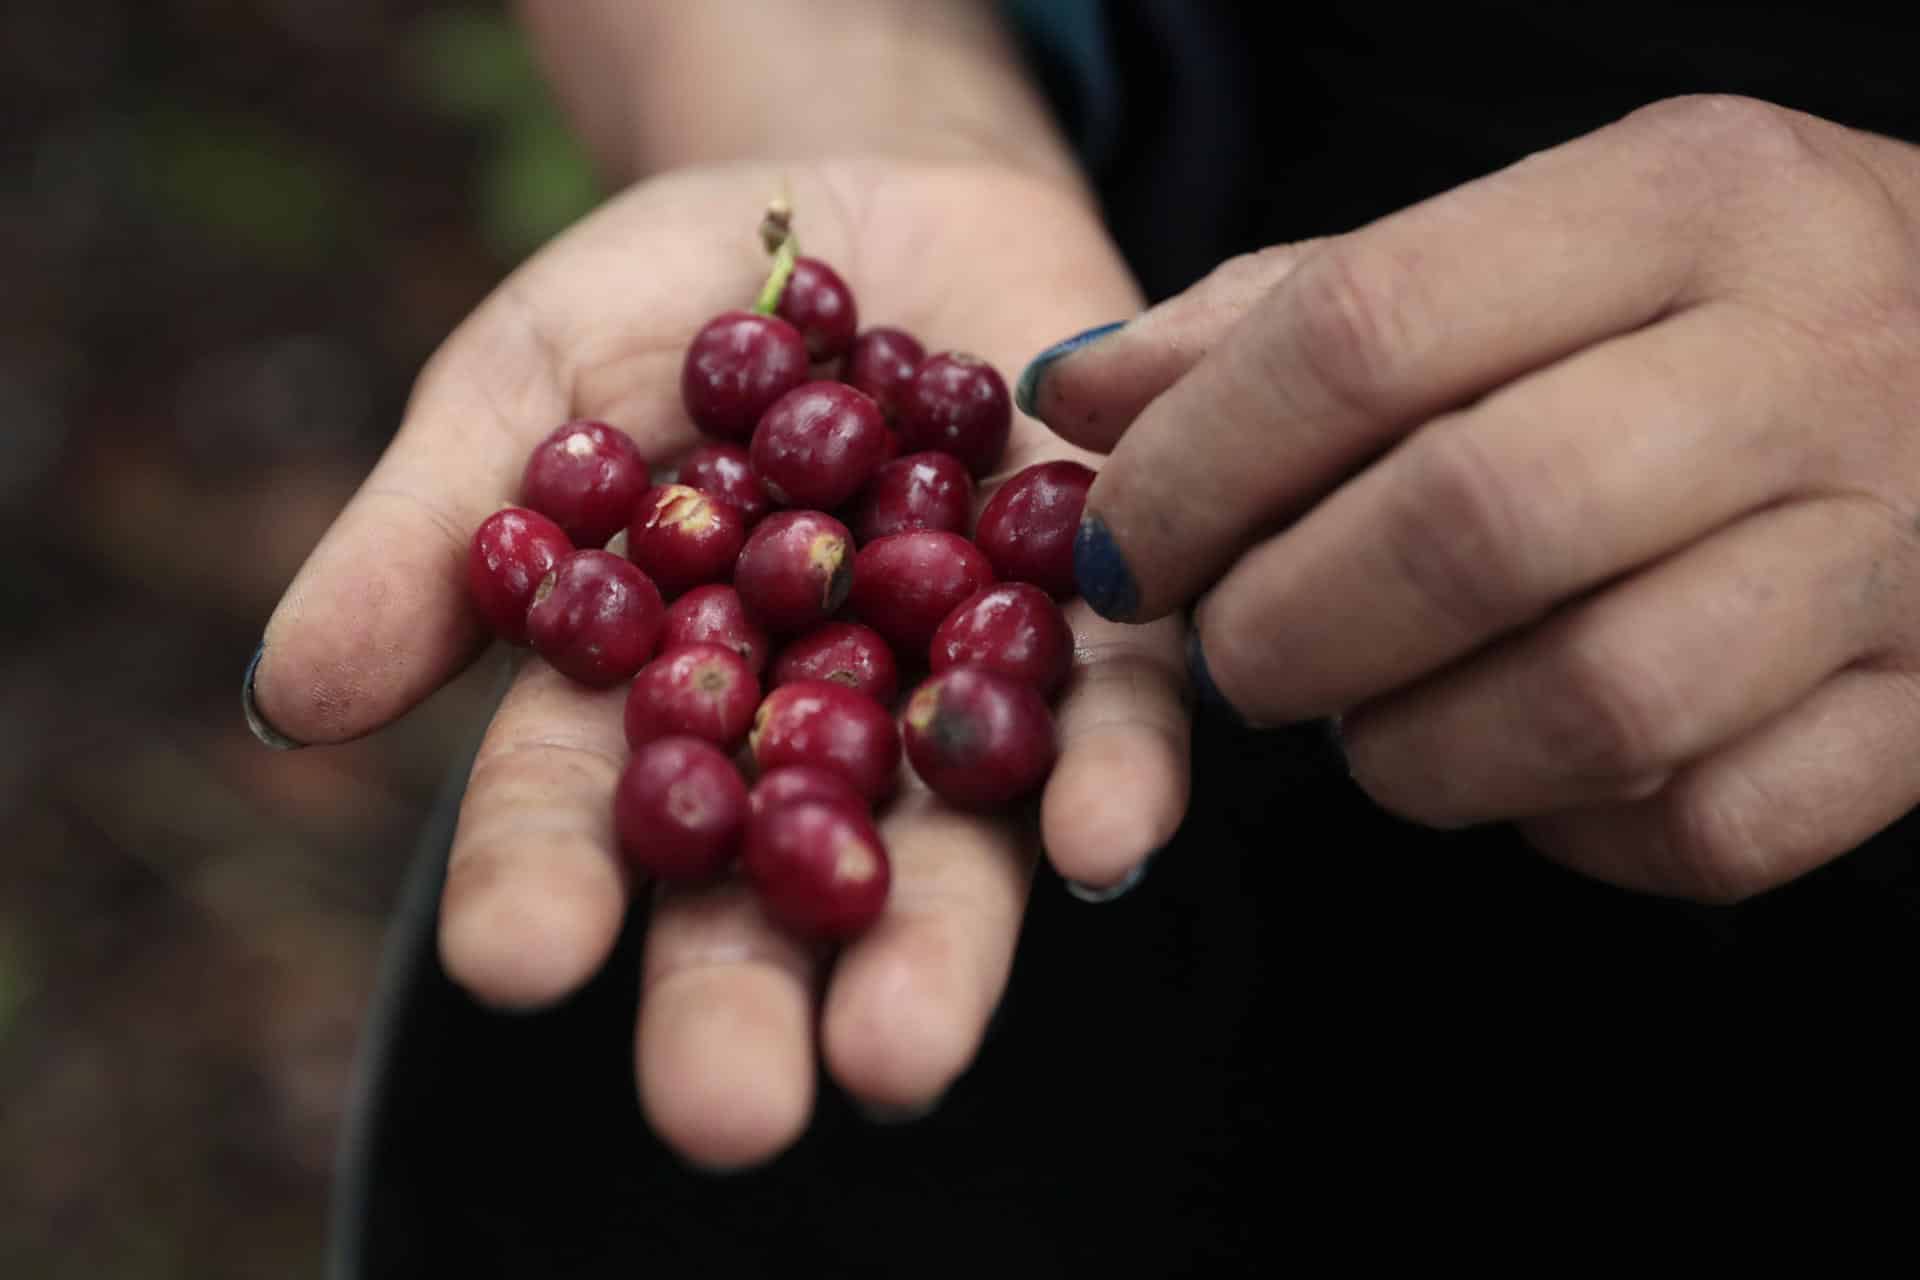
{"type": "Point", "coordinates": [231, 233]}
{"type": "Point", "coordinates": [535, 179]}
{"type": "Point", "coordinates": [277, 195]}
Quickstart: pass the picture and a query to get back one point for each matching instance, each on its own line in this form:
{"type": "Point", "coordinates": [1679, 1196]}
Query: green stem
{"type": "Point", "coordinates": [776, 232]}
{"type": "Point", "coordinates": [783, 260]}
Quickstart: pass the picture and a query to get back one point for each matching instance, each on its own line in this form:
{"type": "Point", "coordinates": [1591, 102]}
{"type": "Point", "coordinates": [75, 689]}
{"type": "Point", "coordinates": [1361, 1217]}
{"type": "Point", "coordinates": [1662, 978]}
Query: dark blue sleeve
{"type": "Point", "coordinates": [1071, 44]}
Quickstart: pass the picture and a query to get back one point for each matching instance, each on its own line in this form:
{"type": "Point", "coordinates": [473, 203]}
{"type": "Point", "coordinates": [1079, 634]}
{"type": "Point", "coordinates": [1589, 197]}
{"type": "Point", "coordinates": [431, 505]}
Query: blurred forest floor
{"type": "Point", "coordinates": [230, 233]}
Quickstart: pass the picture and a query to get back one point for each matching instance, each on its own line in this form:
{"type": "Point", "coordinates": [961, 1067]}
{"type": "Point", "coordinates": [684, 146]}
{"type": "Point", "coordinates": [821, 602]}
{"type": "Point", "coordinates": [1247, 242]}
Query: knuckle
{"type": "Point", "coordinates": [1726, 138]}
{"type": "Point", "coordinates": [1602, 713]}
{"type": "Point", "coordinates": [1356, 309]}
{"type": "Point", "coordinates": [1456, 532]}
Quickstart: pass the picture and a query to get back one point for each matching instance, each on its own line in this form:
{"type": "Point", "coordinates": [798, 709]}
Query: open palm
{"type": "Point", "coordinates": [733, 1012]}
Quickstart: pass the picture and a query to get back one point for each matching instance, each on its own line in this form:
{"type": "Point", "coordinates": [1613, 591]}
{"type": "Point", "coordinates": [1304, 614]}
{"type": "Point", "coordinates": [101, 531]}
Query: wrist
{"type": "Point", "coordinates": [655, 87]}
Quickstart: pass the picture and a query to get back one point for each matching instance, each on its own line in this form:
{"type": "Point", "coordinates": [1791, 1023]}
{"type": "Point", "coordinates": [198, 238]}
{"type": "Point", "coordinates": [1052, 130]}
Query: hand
{"type": "Point", "coordinates": [1587, 493]}
{"type": "Point", "coordinates": [733, 1010]}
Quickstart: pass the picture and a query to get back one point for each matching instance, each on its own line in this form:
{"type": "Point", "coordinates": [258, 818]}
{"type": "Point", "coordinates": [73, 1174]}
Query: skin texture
{"type": "Point", "coordinates": [736, 1017]}
{"type": "Point", "coordinates": [1597, 484]}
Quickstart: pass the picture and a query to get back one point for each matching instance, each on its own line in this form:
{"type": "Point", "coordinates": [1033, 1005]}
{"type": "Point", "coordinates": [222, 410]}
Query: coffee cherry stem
{"type": "Point", "coordinates": [783, 259]}
{"type": "Point", "coordinates": [776, 233]}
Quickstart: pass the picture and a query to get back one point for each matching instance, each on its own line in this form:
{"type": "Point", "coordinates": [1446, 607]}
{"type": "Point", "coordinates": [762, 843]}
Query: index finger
{"type": "Point", "coordinates": [1379, 330]}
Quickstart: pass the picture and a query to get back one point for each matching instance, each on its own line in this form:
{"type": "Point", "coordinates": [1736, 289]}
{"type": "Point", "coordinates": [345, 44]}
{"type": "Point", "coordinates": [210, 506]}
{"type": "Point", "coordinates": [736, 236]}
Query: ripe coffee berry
{"type": "Point", "coordinates": [595, 617]}
{"type": "Point", "coordinates": [845, 653]}
{"type": "Point", "coordinates": [794, 570]}
{"type": "Point", "coordinates": [679, 809]}
{"type": "Point", "coordinates": [511, 551]}
{"type": "Point", "coordinates": [818, 869]}
{"type": "Point", "coordinates": [1028, 526]}
{"type": "Point", "coordinates": [714, 614]}
{"type": "Point", "coordinates": [817, 444]}
{"type": "Point", "coordinates": [905, 584]}
{"type": "Point", "coordinates": [683, 538]}
{"type": "Point", "coordinates": [881, 363]}
{"type": "Point", "coordinates": [828, 726]}
{"type": "Point", "coordinates": [918, 491]}
{"type": "Point", "coordinates": [957, 404]}
{"type": "Point", "coordinates": [1014, 628]}
{"type": "Point", "coordinates": [798, 783]}
{"type": "Point", "coordinates": [978, 738]}
{"type": "Point", "coordinates": [723, 471]}
{"type": "Point", "coordinates": [703, 691]}
{"type": "Point", "coordinates": [737, 365]}
{"type": "Point", "coordinates": [584, 477]}
{"type": "Point", "coordinates": [817, 302]}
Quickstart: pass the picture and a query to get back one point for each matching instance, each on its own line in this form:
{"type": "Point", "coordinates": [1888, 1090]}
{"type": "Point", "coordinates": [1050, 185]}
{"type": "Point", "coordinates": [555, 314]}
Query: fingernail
{"type": "Point", "coordinates": [265, 732]}
{"type": "Point", "coordinates": [1107, 893]}
{"type": "Point", "coordinates": [1026, 392]}
{"type": "Point", "coordinates": [1102, 576]}
{"type": "Point", "coordinates": [883, 1113]}
{"type": "Point", "coordinates": [1202, 679]}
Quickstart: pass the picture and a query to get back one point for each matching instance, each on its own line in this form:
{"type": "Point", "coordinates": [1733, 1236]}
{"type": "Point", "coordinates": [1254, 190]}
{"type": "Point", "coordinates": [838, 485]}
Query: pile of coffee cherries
{"type": "Point", "coordinates": [818, 544]}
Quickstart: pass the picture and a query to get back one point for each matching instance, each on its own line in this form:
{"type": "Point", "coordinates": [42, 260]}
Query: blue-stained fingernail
{"type": "Point", "coordinates": [1026, 392]}
{"type": "Point", "coordinates": [1107, 893]}
{"type": "Point", "coordinates": [265, 732]}
{"type": "Point", "coordinates": [1101, 574]}
{"type": "Point", "coordinates": [1203, 686]}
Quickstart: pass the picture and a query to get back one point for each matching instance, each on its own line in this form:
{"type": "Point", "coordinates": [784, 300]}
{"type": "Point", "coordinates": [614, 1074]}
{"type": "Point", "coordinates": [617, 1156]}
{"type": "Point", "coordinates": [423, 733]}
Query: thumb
{"type": "Point", "coordinates": [1090, 387]}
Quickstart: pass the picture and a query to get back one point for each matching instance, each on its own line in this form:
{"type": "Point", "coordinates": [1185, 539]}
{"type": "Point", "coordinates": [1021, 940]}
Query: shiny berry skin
{"type": "Point", "coordinates": [845, 653]}
{"type": "Point", "coordinates": [679, 809]}
{"type": "Point", "coordinates": [702, 691]}
{"type": "Point", "coordinates": [585, 477]}
{"type": "Point", "coordinates": [684, 538]}
{"type": "Point", "coordinates": [881, 363]}
{"type": "Point", "coordinates": [596, 618]}
{"type": "Point", "coordinates": [715, 615]}
{"type": "Point", "coordinates": [978, 738]}
{"type": "Point", "coordinates": [800, 784]}
{"type": "Point", "coordinates": [511, 551]}
{"type": "Point", "coordinates": [817, 444]}
{"type": "Point", "coordinates": [1014, 628]}
{"type": "Point", "coordinates": [737, 365]}
{"type": "Point", "coordinates": [795, 570]}
{"type": "Point", "coordinates": [957, 404]}
{"type": "Point", "coordinates": [828, 726]}
{"type": "Point", "coordinates": [722, 471]}
{"type": "Point", "coordinates": [818, 303]}
{"type": "Point", "coordinates": [905, 585]}
{"type": "Point", "coordinates": [1027, 527]}
{"type": "Point", "coordinates": [817, 869]}
{"type": "Point", "coordinates": [918, 491]}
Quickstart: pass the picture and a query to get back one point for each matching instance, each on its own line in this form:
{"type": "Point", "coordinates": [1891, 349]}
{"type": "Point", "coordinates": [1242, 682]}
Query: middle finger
{"type": "Point", "coordinates": [1488, 518]}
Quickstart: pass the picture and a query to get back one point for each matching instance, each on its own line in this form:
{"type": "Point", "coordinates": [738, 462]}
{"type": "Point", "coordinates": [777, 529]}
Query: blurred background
{"type": "Point", "coordinates": [230, 233]}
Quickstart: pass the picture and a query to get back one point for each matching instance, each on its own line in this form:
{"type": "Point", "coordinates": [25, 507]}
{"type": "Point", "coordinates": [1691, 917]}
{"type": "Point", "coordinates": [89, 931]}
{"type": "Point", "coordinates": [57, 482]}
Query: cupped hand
{"type": "Point", "coordinates": [734, 1013]}
{"type": "Point", "coordinates": [1587, 494]}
